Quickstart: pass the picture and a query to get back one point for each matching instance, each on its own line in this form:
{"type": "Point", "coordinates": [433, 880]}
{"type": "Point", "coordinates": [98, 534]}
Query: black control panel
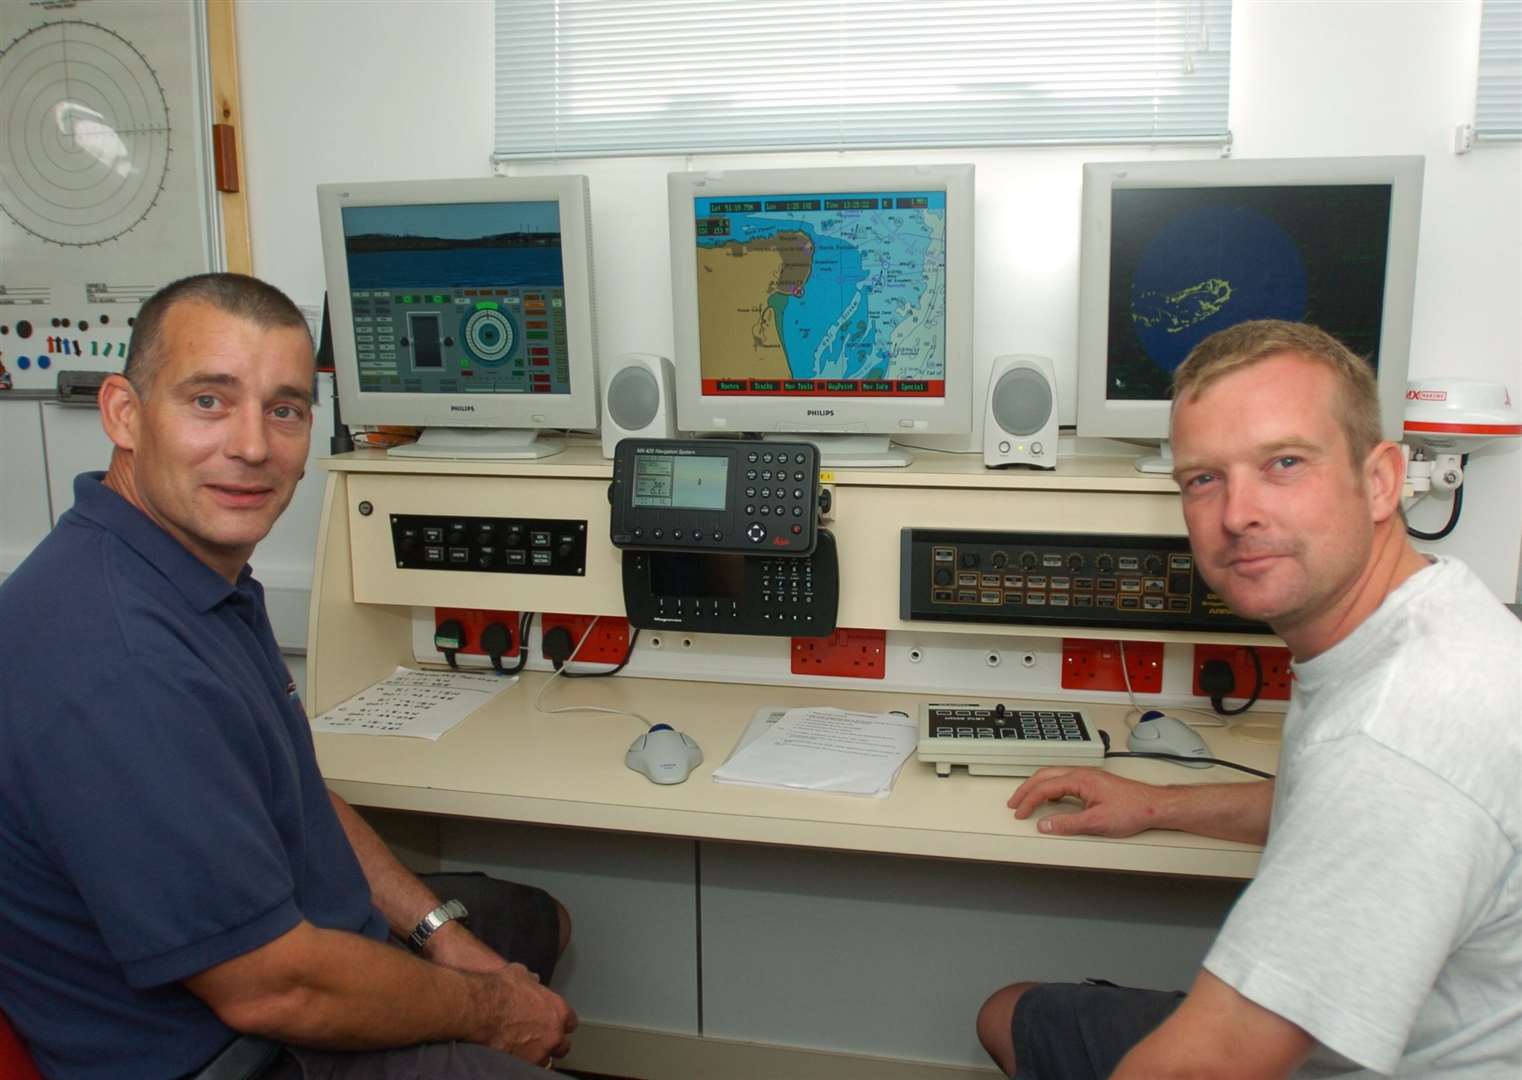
{"type": "Point", "coordinates": [730, 593]}
{"type": "Point", "coordinates": [714, 495]}
{"type": "Point", "coordinates": [1068, 579]}
{"type": "Point", "coordinates": [490, 545]}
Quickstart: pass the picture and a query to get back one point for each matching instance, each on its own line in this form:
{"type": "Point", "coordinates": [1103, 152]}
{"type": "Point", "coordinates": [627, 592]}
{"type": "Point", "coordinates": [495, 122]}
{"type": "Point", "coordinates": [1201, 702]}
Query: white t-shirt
{"type": "Point", "coordinates": [1386, 915]}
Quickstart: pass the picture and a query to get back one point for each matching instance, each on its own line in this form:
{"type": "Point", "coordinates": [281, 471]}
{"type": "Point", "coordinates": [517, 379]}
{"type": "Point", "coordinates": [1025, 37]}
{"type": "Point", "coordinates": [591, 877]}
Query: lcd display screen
{"type": "Point", "coordinates": [680, 483]}
{"type": "Point", "coordinates": [709, 577]}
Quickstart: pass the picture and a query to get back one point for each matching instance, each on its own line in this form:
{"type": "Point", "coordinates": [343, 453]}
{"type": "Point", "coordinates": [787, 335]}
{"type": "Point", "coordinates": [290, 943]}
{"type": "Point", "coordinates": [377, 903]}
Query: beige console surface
{"type": "Point", "coordinates": [508, 762]}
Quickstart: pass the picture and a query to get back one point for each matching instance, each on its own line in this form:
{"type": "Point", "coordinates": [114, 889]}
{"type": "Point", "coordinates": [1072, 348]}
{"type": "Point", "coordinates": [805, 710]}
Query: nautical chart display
{"type": "Point", "coordinates": [104, 193]}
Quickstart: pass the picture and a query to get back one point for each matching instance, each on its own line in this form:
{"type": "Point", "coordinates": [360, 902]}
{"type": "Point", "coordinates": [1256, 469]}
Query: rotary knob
{"type": "Point", "coordinates": [943, 577]}
{"type": "Point", "coordinates": [1028, 560]}
{"type": "Point", "coordinates": [1075, 561]}
{"type": "Point", "coordinates": [1154, 564]}
{"type": "Point", "coordinates": [969, 559]}
{"type": "Point", "coordinates": [1104, 564]}
{"type": "Point", "coordinates": [1000, 560]}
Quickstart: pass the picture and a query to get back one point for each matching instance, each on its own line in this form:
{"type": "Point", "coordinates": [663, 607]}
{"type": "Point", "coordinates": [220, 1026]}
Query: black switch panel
{"type": "Point", "coordinates": [490, 545]}
{"type": "Point", "coordinates": [1062, 579]}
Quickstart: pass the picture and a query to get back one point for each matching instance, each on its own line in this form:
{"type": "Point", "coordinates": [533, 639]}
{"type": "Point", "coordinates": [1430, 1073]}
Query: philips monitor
{"type": "Point", "coordinates": [833, 302]}
{"type": "Point", "coordinates": [463, 307]}
{"type": "Point", "coordinates": [1171, 252]}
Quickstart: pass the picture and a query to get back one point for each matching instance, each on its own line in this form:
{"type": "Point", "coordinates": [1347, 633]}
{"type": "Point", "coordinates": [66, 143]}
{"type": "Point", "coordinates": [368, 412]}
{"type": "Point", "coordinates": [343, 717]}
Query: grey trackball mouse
{"type": "Point", "coordinates": [664, 754]}
{"type": "Point", "coordinates": [1159, 733]}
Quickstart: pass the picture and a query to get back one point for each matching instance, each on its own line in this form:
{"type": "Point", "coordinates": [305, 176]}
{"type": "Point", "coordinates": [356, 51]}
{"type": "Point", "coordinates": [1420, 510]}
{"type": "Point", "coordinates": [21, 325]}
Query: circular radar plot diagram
{"type": "Point", "coordinates": [84, 134]}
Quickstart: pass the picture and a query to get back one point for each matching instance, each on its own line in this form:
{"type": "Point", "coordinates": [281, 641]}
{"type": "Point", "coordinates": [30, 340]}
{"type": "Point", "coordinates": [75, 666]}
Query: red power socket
{"type": "Point", "coordinates": [1095, 665]}
{"type": "Point", "coordinates": [474, 621]}
{"type": "Point", "coordinates": [855, 654]}
{"type": "Point", "coordinates": [607, 644]}
{"type": "Point", "coordinates": [1277, 675]}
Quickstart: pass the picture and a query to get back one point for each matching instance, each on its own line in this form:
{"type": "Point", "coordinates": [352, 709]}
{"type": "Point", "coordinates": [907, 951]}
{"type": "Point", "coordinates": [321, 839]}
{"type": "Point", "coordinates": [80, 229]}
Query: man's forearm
{"type": "Point", "coordinates": [1226, 811]}
{"type": "Point", "coordinates": [403, 899]}
{"type": "Point", "coordinates": [396, 891]}
{"type": "Point", "coordinates": [331, 989]}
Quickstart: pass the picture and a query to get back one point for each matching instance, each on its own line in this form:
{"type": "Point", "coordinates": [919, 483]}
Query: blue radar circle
{"type": "Point", "coordinates": [1208, 269]}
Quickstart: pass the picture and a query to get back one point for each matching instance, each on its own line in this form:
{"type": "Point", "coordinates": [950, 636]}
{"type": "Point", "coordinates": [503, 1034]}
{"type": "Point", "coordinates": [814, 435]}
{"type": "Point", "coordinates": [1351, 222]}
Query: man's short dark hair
{"type": "Point", "coordinates": [246, 297]}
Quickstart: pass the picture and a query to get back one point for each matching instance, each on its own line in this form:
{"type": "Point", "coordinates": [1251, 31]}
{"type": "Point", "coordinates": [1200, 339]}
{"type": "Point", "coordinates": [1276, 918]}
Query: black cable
{"type": "Point", "coordinates": [1218, 703]}
{"type": "Point", "coordinates": [496, 640]}
{"type": "Point", "coordinates": [567, 673]}
{"type": "Point", "coordinates": [525, 621]}
{"type": "Point", "coordinates": [449, 638]}
{"type": "Point", "coordinates": [1453, 516]}
{"type": "Point", "coordinates": [1190, 761]}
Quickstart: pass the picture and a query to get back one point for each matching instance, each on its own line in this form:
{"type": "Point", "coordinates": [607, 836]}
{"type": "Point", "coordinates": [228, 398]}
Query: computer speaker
{"type": "Point", "coordinates": [1020, 413]}
{"type": "Point", "coordinates": [638, 399]}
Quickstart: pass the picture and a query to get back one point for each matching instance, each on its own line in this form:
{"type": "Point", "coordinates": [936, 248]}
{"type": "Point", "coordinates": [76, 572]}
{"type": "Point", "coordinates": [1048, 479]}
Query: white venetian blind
{"type": "Point", "coordinates": [609, 77]}
{"type": "Point", "coordinates": [1498, 99]}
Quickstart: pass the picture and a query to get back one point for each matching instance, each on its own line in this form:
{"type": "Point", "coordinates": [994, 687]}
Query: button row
{"type": "Point", "coordinates": [767, 457]}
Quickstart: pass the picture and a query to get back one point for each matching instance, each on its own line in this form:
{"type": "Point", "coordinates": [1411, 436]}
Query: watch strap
{"type": "Point", "coordinates": [429, 924]}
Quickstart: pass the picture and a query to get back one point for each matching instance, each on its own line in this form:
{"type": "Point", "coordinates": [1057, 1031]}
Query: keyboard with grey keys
{"type": "Point", "coordinates": [1003, 739]}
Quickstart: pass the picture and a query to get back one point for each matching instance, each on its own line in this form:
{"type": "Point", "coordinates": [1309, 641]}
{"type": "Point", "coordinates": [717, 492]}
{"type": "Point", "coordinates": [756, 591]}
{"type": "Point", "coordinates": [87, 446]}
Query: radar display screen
{"type": "Point", "coordinates": [1186, 262]}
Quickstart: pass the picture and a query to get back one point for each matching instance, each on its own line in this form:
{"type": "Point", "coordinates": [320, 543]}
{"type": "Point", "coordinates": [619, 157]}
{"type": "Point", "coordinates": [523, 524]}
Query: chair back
{"type": "Point", "coordinates": [15, 1059]}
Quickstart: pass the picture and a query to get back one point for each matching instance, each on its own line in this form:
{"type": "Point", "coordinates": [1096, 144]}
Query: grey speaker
{"type": "Point", "coordinates": [1020, 413]}
{"type": "Point", "coordinates": [638, 400]}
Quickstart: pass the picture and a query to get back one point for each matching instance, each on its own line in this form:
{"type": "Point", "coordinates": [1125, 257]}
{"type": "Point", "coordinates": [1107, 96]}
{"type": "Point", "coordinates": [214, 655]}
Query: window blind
{"type": "Point", "coordinates": [610, 77]}
{"type": "Point", "coordinates": [1498, 98]}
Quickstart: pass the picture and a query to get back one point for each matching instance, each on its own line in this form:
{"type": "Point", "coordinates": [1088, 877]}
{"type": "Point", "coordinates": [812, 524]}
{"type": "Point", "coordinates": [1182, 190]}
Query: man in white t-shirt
{"type": "Point", "coordinates": [1382, 934]}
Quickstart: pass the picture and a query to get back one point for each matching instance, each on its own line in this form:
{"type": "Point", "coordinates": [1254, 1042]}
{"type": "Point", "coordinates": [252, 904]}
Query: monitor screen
{"type": "Point", "coordinates": [463, 307]}
{"type": "Point", "coordinates": [835, 302]}
{"type": "Point", "coordinates": [1171, 252]}
{"type": "Point", "coordinates": [1185, 263]}
{"type": "Point", "coordinates": [464, 298]}
{"type": "Point", "coordinates": [825, 294]}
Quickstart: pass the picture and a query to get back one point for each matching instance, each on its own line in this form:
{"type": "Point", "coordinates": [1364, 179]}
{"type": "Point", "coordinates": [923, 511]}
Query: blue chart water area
{"type": "Point", "coordinates": [834, 287]}
{"type": "Point", "coordinates": [1209, 269]}
{"type": "Point", "coordinates": [447, 268]}
{"type": "Point", "coordinates": [839, 323]}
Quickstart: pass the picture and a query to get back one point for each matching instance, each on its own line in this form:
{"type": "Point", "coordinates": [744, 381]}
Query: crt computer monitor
{"type": "Point", "coordinates": [833, 304]}
{"type": "Point", "coordinates": [1173, 251]}
{"type": "Point", "coordinates": [463, 307]}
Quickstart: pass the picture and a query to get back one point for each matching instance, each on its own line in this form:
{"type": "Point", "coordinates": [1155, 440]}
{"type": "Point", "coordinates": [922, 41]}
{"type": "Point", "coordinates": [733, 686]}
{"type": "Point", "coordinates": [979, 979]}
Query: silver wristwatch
{"type": "Point", "coordinates": [429, 924]}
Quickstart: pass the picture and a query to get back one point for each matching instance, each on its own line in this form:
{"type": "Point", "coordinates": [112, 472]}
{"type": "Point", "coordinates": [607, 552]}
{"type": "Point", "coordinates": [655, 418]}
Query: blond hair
{"type": "Point", "coordinates": [1357, 406]}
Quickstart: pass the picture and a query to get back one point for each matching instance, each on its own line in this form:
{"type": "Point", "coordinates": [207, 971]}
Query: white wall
{"type": "Point", "coordinates": [336, 91]}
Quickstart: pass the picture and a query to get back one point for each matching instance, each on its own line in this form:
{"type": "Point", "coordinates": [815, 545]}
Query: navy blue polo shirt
{"type": "Point", "coordinates": [161, 810]}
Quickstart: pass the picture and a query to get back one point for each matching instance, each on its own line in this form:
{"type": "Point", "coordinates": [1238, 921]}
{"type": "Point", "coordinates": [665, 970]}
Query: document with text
{"type": "Point", "coordinates": [857, 753]}
{"type": "Point", "coordinates": [416, 704]}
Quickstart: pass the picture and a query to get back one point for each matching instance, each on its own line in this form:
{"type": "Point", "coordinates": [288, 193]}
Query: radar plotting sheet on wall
{"type": "Point", "coordinates": [103, 183]}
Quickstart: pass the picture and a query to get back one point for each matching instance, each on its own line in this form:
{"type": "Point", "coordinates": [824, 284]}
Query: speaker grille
{"type": "Point", "coordinates": [1022, 401]}
{"type": "Point", "coordinates": [634, 396]}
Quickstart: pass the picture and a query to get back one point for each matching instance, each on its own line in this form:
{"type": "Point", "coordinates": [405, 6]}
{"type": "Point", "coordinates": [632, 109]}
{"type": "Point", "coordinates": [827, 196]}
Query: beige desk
{"type": "Point", "coordinates": [510, 763]}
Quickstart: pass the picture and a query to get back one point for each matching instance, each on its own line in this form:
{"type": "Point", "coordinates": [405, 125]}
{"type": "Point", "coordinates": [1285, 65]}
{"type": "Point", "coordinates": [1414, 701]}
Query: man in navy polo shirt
{"type": "Point", "coordinates": [175, 871]}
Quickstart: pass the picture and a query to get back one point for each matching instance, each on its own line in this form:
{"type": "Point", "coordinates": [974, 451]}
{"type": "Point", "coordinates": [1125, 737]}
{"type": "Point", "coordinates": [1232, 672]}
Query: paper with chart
{"type": "Point", "coordinates": [837, 750]}
{"type": "Point", "coordinates": [417, 704]}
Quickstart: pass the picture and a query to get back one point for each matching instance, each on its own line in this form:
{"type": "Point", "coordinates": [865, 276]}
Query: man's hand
{"type": "Point", "coordinates": [535, 1023]}
{"type": "Point", "coordinates": [1116, 807]}
{"type": "Point", "coordinates": [1113, 806]}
